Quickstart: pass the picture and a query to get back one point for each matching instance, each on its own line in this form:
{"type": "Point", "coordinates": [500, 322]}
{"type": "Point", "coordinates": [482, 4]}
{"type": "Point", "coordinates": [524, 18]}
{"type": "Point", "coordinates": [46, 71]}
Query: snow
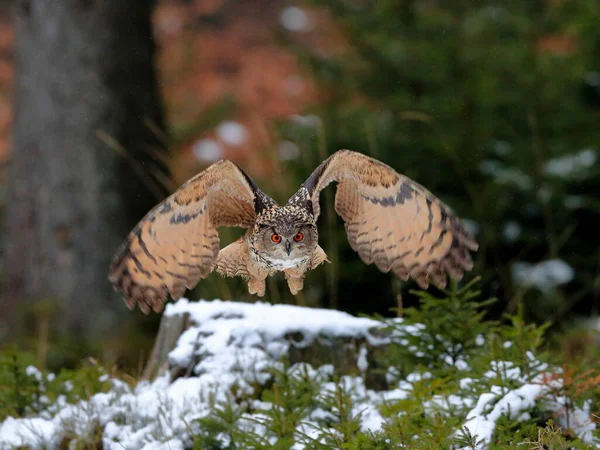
{"type": "Point", "coordinates": [501, 148]}
{"type": "Point", "coordinates": [232, 133]}
{"type": "Point", "coordinates": [309, 120]}
{"type": "Point", "coordinates": [20, 432]}
{"type": "Point", "coordinates": [481, 420]}
{"type": "Point", "coordinates": [483, 425]}
{"type": "Point", "coordinates": [505, 175]}
{"type": "Point", "coordinates": [294, 85]}
{"type": "Point", "coordinates": [575, 202]}
{"type": "Point", "coordinates": [579, 419]}
{"type": "Point", "coordinates": [511, 231]}
{"type": "Point", "coordinates": [230, 349]}
{"type": "Point", "coordinates": [592, 78]}
{"type": "Point", "coordinates": [471, 226]}
{"type": "Point", "coordinates": [225, 322]}
{"type": "Point", "coordinates": [362, 363]}
{"type": "Point", "coordinates": [571, 166]}
{"type": "Point", "coordinates": [288, 150]}
{"type": "Point", "coordinates": [240, 341]}
{"type": "Point", "coordinates": [236, 344]}
{"type": "Point", "coordinates": [207, 150]}
{"type": "Point", "coordinates": [545, 275]}
{"type": "Point", "coordinates": [294, 19]}
{"type": "Point", "coordinates": [33, 372]}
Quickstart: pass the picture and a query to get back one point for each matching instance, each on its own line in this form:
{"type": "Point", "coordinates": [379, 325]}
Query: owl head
{"type": "Point", "coordinates": [283, 233]}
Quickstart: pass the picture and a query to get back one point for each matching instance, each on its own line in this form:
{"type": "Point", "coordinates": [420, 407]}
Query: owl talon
{"type": "Point", "coordinates": [257, 287]}
{"type": "Point", "coordinates": [295, 285]}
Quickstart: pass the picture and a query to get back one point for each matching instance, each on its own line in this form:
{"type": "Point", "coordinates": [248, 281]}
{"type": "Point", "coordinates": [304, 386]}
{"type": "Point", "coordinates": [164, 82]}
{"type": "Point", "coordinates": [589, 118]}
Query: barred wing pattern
{"type": "Point", "coordinates": [392, 221]}
{"type": "Point", "coordinates": [176, 244]}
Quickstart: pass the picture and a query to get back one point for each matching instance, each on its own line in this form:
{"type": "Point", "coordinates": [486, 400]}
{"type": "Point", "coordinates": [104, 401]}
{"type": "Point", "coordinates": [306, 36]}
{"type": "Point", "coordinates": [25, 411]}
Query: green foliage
{"type": "Point", "coordinates": [477, 101]}
{"type": "Point", "coordinates": [466, 439]}
{"type": "Point", "coordinates": [210, 431]}
{"type": "Point", "coordinates": [18, 390]}
{"type": "Point", "coordinates": [443, 361]}
{"type": "Point", "coordinates": [458, 324]}
{"type": "Point", "coordinates": [291, 396]}
{"type": "Point", "coordinates": [25, 391]}
{"type": "Point", "coordinates": [445, 357]}
{"type": "Point", "coordinates": [552, 437]}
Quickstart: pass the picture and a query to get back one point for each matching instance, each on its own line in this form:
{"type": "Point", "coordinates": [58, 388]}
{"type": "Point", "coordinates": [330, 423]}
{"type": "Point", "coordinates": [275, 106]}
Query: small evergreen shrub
{"type": "Point", "coordinates": [27, 391]}
{"type": "Point", "coordinates": [446, 360]}
{"type": "Point", "coordinates": [453, 380]}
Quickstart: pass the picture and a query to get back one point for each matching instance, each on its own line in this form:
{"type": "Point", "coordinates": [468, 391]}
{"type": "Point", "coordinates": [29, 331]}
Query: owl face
{"type": "Point", "coordinates": [285, 234]}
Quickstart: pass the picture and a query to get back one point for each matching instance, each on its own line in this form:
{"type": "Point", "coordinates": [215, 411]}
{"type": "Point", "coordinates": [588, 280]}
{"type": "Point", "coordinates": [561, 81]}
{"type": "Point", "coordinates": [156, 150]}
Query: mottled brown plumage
{"type": "Point", "coordinates": [390, 220]}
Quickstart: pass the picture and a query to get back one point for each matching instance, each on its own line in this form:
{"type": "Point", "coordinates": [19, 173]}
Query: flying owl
{"type": "Point", "coordinates": [390, 220]}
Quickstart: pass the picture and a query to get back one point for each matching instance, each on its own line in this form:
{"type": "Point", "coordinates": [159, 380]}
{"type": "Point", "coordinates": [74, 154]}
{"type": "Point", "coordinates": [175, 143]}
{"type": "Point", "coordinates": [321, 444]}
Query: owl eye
{"type": "Point", "coordinates": [298, 237]}
{"type": "Point", "coordinates": [276, 238]}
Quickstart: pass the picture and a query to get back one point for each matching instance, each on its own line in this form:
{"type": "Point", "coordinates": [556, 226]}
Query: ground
{"type": "Point", "coordinates": [240, 356]}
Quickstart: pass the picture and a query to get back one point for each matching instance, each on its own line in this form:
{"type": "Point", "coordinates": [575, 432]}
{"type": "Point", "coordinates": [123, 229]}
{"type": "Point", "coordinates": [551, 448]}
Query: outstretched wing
{"type": "Point", "coordinates": [176, 244]}
{"type": "Point", "coordinates": [392, 221]}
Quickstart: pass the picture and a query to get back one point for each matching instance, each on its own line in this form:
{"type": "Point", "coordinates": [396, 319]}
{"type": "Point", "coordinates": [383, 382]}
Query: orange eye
{"type": "Point", "coordinates": [298, 237]}
{"type": "Point", "coordinates": [276, 238]}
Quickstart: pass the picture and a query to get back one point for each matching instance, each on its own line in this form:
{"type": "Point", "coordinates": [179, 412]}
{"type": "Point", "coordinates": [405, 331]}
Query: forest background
{"type": "Point", "coordinates": [106, 109]}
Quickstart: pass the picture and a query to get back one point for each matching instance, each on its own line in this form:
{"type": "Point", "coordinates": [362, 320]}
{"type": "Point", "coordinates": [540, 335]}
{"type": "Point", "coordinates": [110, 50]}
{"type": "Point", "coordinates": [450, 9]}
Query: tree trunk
{"type": "Point", "coordinates": [302, 347]}
{"type": "Point", "coordinates": [84, 163]}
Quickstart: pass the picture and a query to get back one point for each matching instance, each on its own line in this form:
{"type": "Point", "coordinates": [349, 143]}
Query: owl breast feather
{"type": "Point", "coordinates": [284, 264]}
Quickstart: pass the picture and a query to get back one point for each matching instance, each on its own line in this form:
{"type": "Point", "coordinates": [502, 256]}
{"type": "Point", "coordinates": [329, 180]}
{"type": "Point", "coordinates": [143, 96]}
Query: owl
{"type": "Point", "coordinates": [390, 221]}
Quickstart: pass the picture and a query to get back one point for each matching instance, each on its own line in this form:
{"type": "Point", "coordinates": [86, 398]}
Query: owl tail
{"type": "Point", "coordinates": [232, 260]}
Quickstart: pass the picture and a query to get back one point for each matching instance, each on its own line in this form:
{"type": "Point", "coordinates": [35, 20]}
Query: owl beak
{"type": "Point", "coordinates": [288, 247]}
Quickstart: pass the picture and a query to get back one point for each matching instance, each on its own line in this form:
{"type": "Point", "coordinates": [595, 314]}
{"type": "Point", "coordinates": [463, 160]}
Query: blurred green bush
{"type": "Point", "coordinates": [26, 391]}
{"type": "Point", "coordinates": [495, 108]}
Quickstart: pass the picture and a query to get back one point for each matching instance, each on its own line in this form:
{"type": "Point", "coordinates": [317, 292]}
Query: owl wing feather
{"type": "Point", "coordinates": [393, 221]}
{"type": "Point", "coordinates": [176, 243]}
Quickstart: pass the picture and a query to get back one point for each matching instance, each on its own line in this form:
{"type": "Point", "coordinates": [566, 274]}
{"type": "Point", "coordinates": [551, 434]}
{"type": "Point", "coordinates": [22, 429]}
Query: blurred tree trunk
{"type": "Point", "coordinates": [85, 156]}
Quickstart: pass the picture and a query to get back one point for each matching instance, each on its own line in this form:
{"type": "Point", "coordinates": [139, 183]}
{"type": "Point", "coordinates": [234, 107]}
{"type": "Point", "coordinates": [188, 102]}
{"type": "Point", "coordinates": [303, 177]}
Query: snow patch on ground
{"type": "Point", "coordinates": [295, 19]}
{"type": "Point", "coordinates": [232, 133]}
{"type": "Point", "coordinates": [230, 350]}
{"type": "Point", "coordinates": [571, 166]}
{"type": "Point", "coordinates": [288, 151]}
{"type": "Point", "coordinates": [545, 275]}
{"type": "Point", "coordinates": [512, 231]}
{"type": "Point", "coordinates": [505, 175]}
{"type": "Point", "coordinates": [207, 150]}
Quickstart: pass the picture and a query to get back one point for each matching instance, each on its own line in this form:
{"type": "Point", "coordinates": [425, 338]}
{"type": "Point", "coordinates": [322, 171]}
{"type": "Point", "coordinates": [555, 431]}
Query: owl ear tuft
{"type": "Point", "coordinates": [306, 204]}
{"type": "Point", "coordinates": [262, 201]}
{"type": "Point", "coordinates": [302, 199]}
